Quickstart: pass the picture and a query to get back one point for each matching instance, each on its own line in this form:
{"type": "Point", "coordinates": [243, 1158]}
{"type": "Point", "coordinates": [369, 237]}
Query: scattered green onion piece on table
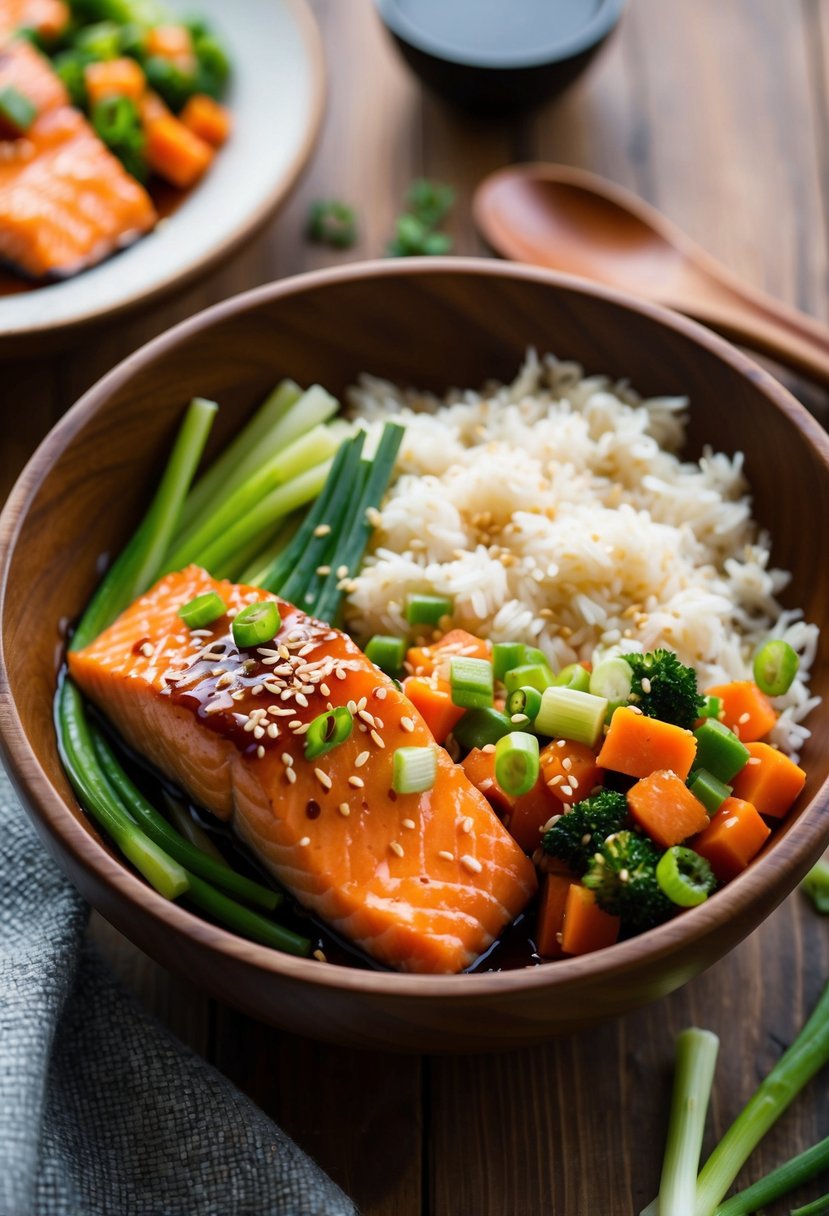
{"type": "Point", "coordinates": [611, 679]}
{"type": "Point", "coordinates": [528, 675]}
{"type": "Point", "coordinates": [413, 238]}
{"type": "Point", "coordinates": [471, 682]}
{"type": "Point", "coordinates": [256, 624]}
{"type": "Point", "coordinates": [775, 667]}
{"type": "Point", "coordinates": [524, 701]}
{"type": "Point", "coordinates": [719, 750]}
{"type": "Point", "coordinates": [566, 713]}
{"type": "Point", "coordinates": [328, 731]}
{"type": "Point", "coordinates": [708, 789]}
{"type": "Point", "coordinates": [414, 769]}
{"type": "Point", "coordinates": [573, 676]}
{"type": "Point", "coordinates": [818, 1207]}
{"type": "Point", "coordinates": [386, 652]}
{"type": "Point", "coordinates": [516, 763]}
{"type": "Point", "coordinates": [696, 1059]}
{"type": "Point", "coordinates": [17, 111]}
{"type": "Point", "coordinates": [816, 886]}
{"type": "Point", "coordinates": [203, 610]}
{"type": "Point", "coordinates": [480, 727]}
{"type": "Point", "coordinates": [684, 877]}
{"type": "Point", "coordinates": [505, 656]}
{"type": "Point", "coordinates": [429, 201]}
{"type": "Point", "coordinates": [802, 1168]}
{"type": "Point", "coordinates": [331, 222]}
{"type": "Point", "coordinates": [427, 609]}
{"type": "Point", "coordinates": [712, 707]}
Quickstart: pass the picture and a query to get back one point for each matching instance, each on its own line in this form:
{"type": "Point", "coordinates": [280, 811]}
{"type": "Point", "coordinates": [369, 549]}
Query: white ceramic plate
{"type": "Point", "coordinates": [277, 101]}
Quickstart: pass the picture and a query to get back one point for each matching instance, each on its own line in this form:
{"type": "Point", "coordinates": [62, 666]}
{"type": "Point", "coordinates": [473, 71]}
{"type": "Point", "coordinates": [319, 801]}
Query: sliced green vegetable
{"type": "Point", "coordinates": [203, 610]}
{"type": "Point", "coordinates": [17, 111]}
{"type": "Point", "coordinates": [516, 763]}
{"type": "Point", "coordinates": [566, 713]}
{"type": "Point", "coordinates": [505, 656]}
{"type": "Point", "coordinates": [776, 664]}
{"type": "Point", "coordinates": [387, 653]}
{"type": "Point", "coordinates": [611, 679]}
{"type": "Point", "coordinates": [573, 676]}
{"type": "Point", "coordinates": [712, 707]}
{"type": "Point", "coordinates": [427, 609]}
{"type": "Point", "coordinates": [719, 750]}
{"type": "Point", "coordinates": [117, 121]}
{"type": "Point", "coordinates": [711, 792]}
{"type": "Point", "coordinates": [100, 41]}
{"type": "Point", "coordinates": [471, 682]}
{"type": "Point", "coordinates": [430, 202]}
{"type": "Point", "coordinates": [802, 1168]}
{"type": "Point", "coordinates": [686, 878]}
{"type": "Point", "coordinates": [524, 703]}
{"type": "Point", "coordinates": [413, 238]}
{"type": "Point", "coordinates": [816, 886]}
{"type": "Point", "coordinates": [479, 727]}
{"type": "Point", "coordinates": [414, 769]}
{"type": "Point", "coordinates": [331, 222]}
{"type": "Point", "coordinates": [528, 675]}
{"type": "Point", "coordinates": [256, 624]}
{"type": "Point", "coordinates": [328, 731]}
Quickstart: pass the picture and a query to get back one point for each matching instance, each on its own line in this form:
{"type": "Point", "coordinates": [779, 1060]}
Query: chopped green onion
{"type": "Point", "coordinates": [611, 679]}
{"type": "Point", "coordinates": [816, 886]}
{"type": "Point", "coordinates": [567, 713]}
{"type": "Point", "coordinates": [17, 111]}
{"type": "Point", "coordinates": [414, 769]}
{"type": "Point", "coordinates": [429, 201]}
{"type": "Point", "coordinates": [516, 763]}
{"type": "Point", "coordinates": [327, 731]}
{"type": "Point", "coordinates": [529, 675]}
{"type": "Point", "coordinates": [573, 676]}
{"type": "Point", "coordinates": [525, 701]}
{"type": "Point", "coordinates": [203, 610]}
{"type": "Point", "coordinates": [478, 727]}
{"type": "Point", "coordinates": [818, 1207]}
{"type": "Point", "coordinates": [775, 667]}
{"type": "Point", "coordinates": [386, 653]}
{"type": "Point", "coordinates": [696, 1059]}
{"type": "Point", "coordinates": [331, 222]}
{"type": "Point", "coordinates": [256, 624]}
{"type": "Point", "coordinates": [533, 656]}
{"type": "Point", "coordinates": [712, 707]}
{"type": "Point", "coordinates": [427, 609]}
{"type": "Point", "coordinates": [505, 656]}
{"type": "Point", "coordinates": [719, 750]}
{"type": "Point", "coordinates": [785, 1178]}
{"type": "Point", "coordinates": [710, 791]}
{"type": "Point", "coordinates": [471, 681]}
{"type": "Point", "coordinates": [684, 877]}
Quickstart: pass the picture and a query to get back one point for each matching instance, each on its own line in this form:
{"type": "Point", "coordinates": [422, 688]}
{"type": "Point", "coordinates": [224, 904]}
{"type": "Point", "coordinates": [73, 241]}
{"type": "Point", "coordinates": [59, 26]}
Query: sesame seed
{"type": "Point", "coordinates": [287, 759]}
{"type": "Point", "coordinates": [574, 781]}
{"type": "Point", "coordinates": [586, 838]}
{"type": "Point", "coordinates": [273, 731]}
{"type": "Point", "coordinates": [357, 782]}
{"type": "Point", "coordinates": [258, 689]}
{"type": "Point", "coordinates": [646, 684]}
{"type": "Point", "coordinates": [291, 775]}
{"type": "Point", "coordinates": [377, 739]}
{"type": "Point", "coordinates": [557, 780]}
{"type": "Point", "coordinates": [446, 855]}
{"type": "Point", "coordinates": [147, 650]}
{"type": "Point", "coordinates": [488, 749]}
{"type": "Point", "coordinates": [380, 693]}
{"type": "Point", "coordinates": [250, 725]}
{"type": "Point", "coordinates": [322, 529]}
{"type": "Point", "coordinates": [567, 790]}
{"type": "Point", "coordinates": [319, 955]}
{"type": "Point", "coordinates": [471, 863]}
{"type": "Point", "coordinates": [754, 760]}
{"type": "Point", "coordinates": [339, 673]}
{"type": "Point", "coordinates": [396, 848]}
{"type": "Point", "coordinates": [366, 716]}
{"type": "Point", "coordinates": [325, 690]}
{"type": "Point", "coordinates": [624, 876]}
{"type": "Point", "coordinates": [361, 759]}
{"type": "Point", "coordinates": [634, 709]}
{"type": "Point", "coordinates": [342, 571]}
{"type": "Point", "coordinates": [258, 732]}
{"type": "Point", "coordinates": [743, 718]}
{"type": "Point", "coordinates": [409, 823]}
{"type": "Point", "coordinates": [518, 718]}
{"type": "Point", "coordinates": [239, 695]}
{"type": "Point", "coordinates": [407, 724]}
{"type": "Point", "coordinates": [302, 700]}
{"type": "Point", "coordinates": [567, 764]}
{"type": "Point", "coordinates": [260, 751]}
{"type": "Point", "coordinates": [323, 778]}
{"type": "Point", "coordinates": [304, 842]}
{"type": "Point", "coordinates": [344, 809]}
{"type": "Point", "coordinates": [213, 707]}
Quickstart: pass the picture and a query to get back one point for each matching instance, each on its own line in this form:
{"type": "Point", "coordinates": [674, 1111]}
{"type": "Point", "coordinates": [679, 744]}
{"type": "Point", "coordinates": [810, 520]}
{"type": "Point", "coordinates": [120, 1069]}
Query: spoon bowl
{"type": "Point", "coordinates": [570, 220]}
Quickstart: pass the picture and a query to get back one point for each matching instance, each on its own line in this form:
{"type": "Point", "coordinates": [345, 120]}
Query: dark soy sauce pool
{"type": "Point", "coordinates": [498, 28]}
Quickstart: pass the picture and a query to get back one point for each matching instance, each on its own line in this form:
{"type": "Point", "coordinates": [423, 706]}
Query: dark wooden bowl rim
{"type": "Point", "coordinates": [808, 835]}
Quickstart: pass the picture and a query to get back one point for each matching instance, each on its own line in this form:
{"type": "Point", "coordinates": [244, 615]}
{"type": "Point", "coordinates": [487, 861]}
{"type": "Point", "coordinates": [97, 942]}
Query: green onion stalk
{"type": "Point", "coordinates": [696, 1059]}
{"type": "Point", "coordinates": [785, 1178]}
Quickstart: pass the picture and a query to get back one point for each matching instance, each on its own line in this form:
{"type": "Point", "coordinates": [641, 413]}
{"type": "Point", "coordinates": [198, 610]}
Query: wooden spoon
{"type": "Point", "coordinates": [570, 220]}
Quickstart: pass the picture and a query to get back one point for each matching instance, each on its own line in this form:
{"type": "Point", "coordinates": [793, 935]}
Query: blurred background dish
{"type": "Point", "coordinates": [276, 102]}
{"type": "Point", "coordinates": [494, 57]}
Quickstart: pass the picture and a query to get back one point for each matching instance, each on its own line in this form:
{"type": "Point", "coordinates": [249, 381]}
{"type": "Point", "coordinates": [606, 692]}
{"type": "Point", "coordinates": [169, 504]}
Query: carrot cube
{"type": "Point", "coordinates": [114, 78]}
{"type": "Point", "coordinates": [570, 770]}
{"type": "Point", "coordinates": [746, 710]}
{"type": "Point", "coordinates": [175, 153]}
{"type": "Point", "coordinates": [171, 42]}
{"type": "Point", "coordinates": [207, 119]}
{"type": "Point", "coordinates": [524, 816]}
{"type": "Point", "coordinates": [551, 914]}
{"type": "Point", "coordinates": [637, 745]}
{"type": "Point", "coordinates": [587, 927]}
{"type": "Point", "coordinates": [733, 837]}
{"type": "Point", "coordinates": [665, 809]}
{"type": "Point", "coordinates": [770, 780]}
{"type": "Point", "coordinates": [433, 701]}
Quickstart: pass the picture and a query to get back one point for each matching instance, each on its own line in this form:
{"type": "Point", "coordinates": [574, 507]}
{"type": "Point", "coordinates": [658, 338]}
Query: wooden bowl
{"type": "Point", "coordinates": [434, 323]}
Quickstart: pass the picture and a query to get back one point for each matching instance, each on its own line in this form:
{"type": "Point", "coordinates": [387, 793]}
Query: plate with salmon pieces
{"type": "Point", "coordinates": [131, 146]}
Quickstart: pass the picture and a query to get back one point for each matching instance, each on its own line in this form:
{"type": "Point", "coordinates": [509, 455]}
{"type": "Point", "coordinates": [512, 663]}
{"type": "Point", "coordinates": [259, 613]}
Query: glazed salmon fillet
{"type": "Point", "coordinates": [65, 201]}
{"type": "Point", "coordinates": [422, 882]}
{"type": "Point", "coordinates": [48, 17]}
{"type": "Point", "coordinates": [25, 69]}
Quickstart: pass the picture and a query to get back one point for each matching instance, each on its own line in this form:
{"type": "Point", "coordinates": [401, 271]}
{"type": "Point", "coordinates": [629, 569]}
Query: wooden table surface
{"type": "Point", "coordinates": [718, 113]}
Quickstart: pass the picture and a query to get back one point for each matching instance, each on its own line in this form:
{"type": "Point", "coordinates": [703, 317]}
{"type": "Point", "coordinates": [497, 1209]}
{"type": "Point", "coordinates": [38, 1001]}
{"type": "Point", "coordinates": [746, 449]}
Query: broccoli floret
{"type": "Point", "coordinates": [664, 688]}
{"type": "Point", "coordinates": [623, 876]}
{"type": "Point", "coordinates": [578, 833]}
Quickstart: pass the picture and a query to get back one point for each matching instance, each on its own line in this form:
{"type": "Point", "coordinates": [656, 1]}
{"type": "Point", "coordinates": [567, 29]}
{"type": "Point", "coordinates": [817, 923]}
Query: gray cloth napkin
{"type": "Point", "coordinates": [102, 1112]}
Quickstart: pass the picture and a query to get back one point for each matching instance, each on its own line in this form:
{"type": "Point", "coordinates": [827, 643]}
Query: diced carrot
{"type": "Point", "coordinates": [175, 153]}
{"type": "Point", "coordinates": [665, 809]}
{"type": "Point", "coordinates": [207, 119]}
{"type": "Point", "coordinates": [524, 816]}
{"type": "Point", "coordinates": [114, 78]}
{"type": "Point", "coordinates": [735, 835]}
{"type": "Point", "coordinates": [746, 710]}
{"type": "Point", "coordinates": [638, 745]}
{"type": "Point", "coordinates": [151, 107]}
{"type": "Point", "coordinates": [587, 927]}
{"type": "Point", "coordinates": [172, 42]}
{"type": "Point", "coordinates": [769, 779]}
{"type": "Point", "coordinates": [433, 700]}
{"type": "Point", "coordinates": [551, 914]}
{"type": "Point", "coordinates": [570, 770]}
{"type": "Point", "coordinates": [425, 660]}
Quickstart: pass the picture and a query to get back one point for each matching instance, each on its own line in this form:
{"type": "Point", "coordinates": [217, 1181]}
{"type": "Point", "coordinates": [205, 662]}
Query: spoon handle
{"type": "Point", "coordinates": [768, 327]}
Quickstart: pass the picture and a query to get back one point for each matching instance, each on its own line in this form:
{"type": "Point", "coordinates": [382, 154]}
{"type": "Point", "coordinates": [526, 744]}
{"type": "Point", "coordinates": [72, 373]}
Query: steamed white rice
{"type": "Point", "coordinates": [555, 511]}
